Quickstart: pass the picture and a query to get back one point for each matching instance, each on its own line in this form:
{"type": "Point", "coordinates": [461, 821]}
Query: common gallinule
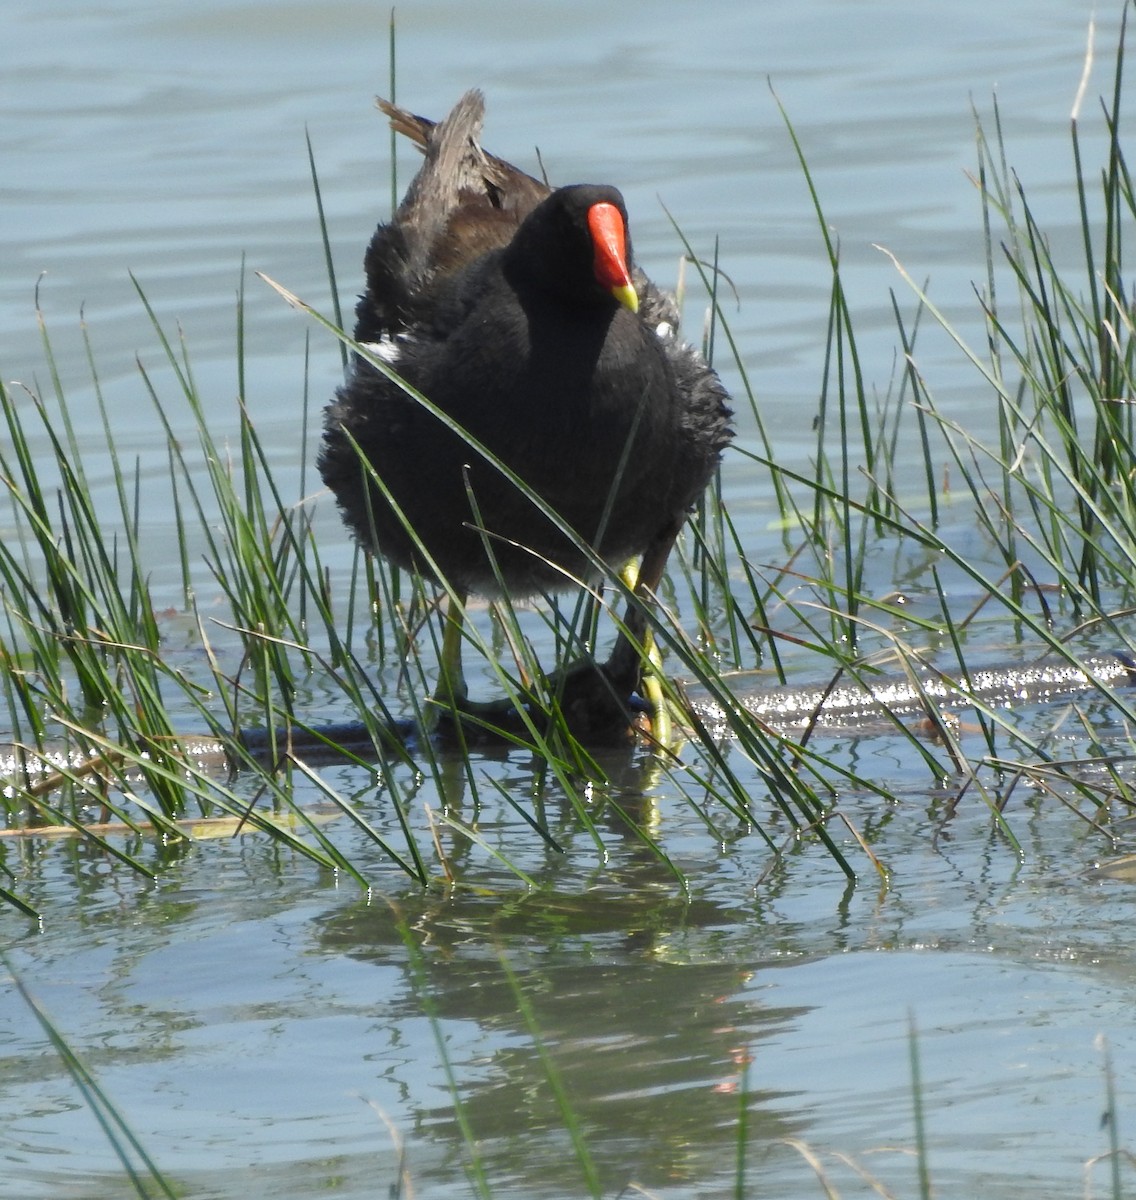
{"type": "Point", "coordinates": [516, 310]}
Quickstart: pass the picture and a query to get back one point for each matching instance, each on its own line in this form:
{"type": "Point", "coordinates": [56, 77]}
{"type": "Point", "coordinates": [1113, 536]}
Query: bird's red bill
{"type": "Point", "coordinates": [609, 237]}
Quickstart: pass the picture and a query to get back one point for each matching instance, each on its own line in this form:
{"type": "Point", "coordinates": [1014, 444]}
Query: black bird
{"type": "Point", "coordinates": [517, 311]}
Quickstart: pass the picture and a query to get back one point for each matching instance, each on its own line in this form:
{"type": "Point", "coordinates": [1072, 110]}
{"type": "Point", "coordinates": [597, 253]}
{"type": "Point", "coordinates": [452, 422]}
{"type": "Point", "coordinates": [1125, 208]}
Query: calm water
{"type": "Point", "coordinates": [250, 1016]}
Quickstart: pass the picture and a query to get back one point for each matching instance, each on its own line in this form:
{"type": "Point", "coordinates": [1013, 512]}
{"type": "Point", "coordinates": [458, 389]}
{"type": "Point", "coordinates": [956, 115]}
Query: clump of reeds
{"type": "Point", "coordinates": [107, 733]}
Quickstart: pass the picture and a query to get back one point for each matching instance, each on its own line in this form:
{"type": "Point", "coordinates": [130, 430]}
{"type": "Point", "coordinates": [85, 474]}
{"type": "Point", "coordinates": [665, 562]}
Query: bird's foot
{"type": "Point", "coordinates": [598, 705]}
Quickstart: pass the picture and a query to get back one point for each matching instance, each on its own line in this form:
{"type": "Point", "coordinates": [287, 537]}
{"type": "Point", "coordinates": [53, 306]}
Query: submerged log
{"type": "Point", "coordinates": [851, 704]}
{"type": "Point", "coordinates": [846, 705]}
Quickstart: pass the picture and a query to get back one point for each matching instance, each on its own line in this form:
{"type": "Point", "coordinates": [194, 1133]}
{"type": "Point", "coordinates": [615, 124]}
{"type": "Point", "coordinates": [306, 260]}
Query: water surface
{"type": "Point", "coordinates": [244, 1009]}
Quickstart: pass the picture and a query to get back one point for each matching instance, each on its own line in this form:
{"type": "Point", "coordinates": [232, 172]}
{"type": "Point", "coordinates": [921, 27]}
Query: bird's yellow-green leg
{"type": "Point", "coordinates": [451, 690]}
{"type": "Point", "coordinates": [661, 725]}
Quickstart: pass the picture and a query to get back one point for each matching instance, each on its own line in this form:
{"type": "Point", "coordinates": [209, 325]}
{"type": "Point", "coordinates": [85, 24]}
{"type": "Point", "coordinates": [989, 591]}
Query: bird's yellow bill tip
{"type": "Point", "coordinates": [626, 295]}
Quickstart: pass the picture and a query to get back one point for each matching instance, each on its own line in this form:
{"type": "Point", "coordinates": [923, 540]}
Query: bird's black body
{"type": "Point", "coordinates": [482, 294]}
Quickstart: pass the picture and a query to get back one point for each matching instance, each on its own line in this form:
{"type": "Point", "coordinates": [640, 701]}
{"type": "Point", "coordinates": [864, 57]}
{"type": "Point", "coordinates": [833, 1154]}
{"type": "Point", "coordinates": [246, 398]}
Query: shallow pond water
{"type": "Point", "coordinates": [252, 1020]}
{"type": "Point", "coordinates": [259, 1021]}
